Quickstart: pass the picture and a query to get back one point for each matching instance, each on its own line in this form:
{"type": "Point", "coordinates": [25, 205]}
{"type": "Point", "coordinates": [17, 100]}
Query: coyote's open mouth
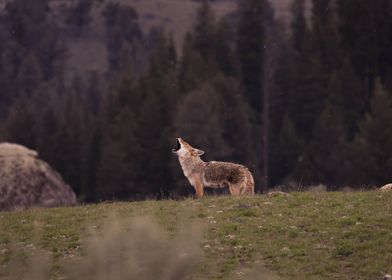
{"type": "Point", "coordinates": [178, 147]}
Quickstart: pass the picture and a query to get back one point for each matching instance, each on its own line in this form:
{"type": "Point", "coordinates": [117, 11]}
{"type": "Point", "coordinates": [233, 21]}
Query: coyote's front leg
{"type": "Point", "coordinates": [198, 185]}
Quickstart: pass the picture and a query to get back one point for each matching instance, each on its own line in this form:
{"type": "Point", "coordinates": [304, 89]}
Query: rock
{"type": "Point", "coordinates": [26, 181]}
{"type": "Point", "coordinates": [387, 187]}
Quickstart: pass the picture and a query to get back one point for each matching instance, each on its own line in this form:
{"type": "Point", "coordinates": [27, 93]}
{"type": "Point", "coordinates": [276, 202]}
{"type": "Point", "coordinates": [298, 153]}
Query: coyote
{"type": "Point", "coordinates": [213, 174]}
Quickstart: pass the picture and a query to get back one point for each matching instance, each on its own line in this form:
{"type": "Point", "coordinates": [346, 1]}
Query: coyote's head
{"type": "Point", "coordinates": [183, 149]}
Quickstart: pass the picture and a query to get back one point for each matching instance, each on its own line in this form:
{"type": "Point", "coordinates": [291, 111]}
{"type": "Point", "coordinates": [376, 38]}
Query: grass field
{"type": "Point", "coordinates": [283, 236]}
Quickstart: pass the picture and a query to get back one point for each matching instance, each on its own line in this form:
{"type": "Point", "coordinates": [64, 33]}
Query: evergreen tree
{"type": "Point", "coordinates": [285, 152]}
{"type": "Point", "coordinates": [325, 35]}
{"type": "Point", "coordinates": [223, 51]}
{"type": "Point", "coordinates": [365, 31]}
{"type": "Point", "coordinates": [372, 148]}
{"type": "Point", "coordinates": [307, 84]}
{"type": "Point", "coordinates": [123, 33]}
{"type": "Point", "coordinates": [344, 91]}
{"type": "Point", "coordinates": [74, 134]}
{"type": "Point", "coordinates": [93, 158]}
{"type": "Point", "coordinates": [159, 89]}
{"type": "Point", "coordinates": [206, 50]}
{"type": "Point", "coordinates": [191, 72]}
{"type": "Point", "coordinates": [326, 157]}
{"type": "Point", "coordinates": [250, 50]}
{"type": "Point", "coordinates": [29, 26]}
{"type": "Point", "coordinates": [204, 30]}
{"type": "Point", "coordinates": [120, 166]}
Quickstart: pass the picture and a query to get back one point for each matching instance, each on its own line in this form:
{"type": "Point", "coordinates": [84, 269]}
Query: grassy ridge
{"type": "Point", "coordinates": [297, 235]}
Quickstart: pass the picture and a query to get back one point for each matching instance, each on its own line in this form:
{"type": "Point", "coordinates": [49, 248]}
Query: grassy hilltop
{"type": "Point", "coordinates": [292, 236]}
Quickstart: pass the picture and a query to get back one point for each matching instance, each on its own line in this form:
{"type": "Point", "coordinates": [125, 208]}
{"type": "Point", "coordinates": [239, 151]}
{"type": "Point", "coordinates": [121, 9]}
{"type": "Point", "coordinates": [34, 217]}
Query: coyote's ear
{"type": "Point", "coordinates": [198, 152]}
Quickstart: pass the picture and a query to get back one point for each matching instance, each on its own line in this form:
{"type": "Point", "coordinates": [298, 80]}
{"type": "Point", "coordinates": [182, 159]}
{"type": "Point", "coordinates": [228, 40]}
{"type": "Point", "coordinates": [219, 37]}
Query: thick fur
{"type": "Point", "coordinates": [213, 174]}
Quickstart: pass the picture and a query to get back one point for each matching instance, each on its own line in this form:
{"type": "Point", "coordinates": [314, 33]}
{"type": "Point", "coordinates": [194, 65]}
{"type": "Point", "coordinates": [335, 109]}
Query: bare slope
{"type": "Point", "coordinates": [88, 52]}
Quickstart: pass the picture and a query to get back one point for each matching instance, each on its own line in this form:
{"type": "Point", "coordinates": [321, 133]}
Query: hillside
{"type": "Point", "coordinates": [290, 236]}
{"type": "Point", "coordinates": [88, 52]}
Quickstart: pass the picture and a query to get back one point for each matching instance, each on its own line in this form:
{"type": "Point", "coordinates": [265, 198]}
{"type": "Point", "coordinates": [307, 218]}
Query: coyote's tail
{"type": "Point", "coordinates": [250, 183]}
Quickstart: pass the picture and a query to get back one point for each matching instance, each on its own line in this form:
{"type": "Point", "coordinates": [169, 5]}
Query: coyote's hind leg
{"type": "Point", "coordinates": [235, 189]}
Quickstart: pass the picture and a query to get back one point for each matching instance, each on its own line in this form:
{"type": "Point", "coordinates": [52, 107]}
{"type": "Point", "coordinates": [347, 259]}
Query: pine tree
{"type": "Point", "coordinates": [204, 30]}
{"type": "Point", "coordinates": [285, 152]}
{"type": "Point", "coordinates": [372, 148]}
{"type": "Point", "coordinates": [206, 50]}
{"type": "Point", "coordinates": [159, 90]}
{"type": "Point", "coordinates": [35, 32]}
{"type": "Point", "coordinates": [223, 50]}
{"type": "Point", "coordinates": [250, 45]}
{"type": "Point", "coordinates": [307, 83]}
{"type": "Point", "coordinates": [123, 34]}
{"type": "Point", "coordinates": [326, 157]}
{"type": "Point", "coordinates": [250, 50]}
{"type": "Point", "coordinates": [344, 91]}
{"type": "Point", "coordinates": [365, 31]}
{"type": "Point", "coordinates": [93, 158]}
{"type": "Point", "coordinates": [325, 35]}
{"type": "Point", "coordinates": [119, 168]}
{"type": "Point", "coordinates": [191, 66]}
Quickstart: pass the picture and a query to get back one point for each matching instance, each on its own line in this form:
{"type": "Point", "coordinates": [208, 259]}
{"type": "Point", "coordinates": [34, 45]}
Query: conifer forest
{"type": "Point", "coordinates": [301, 99]}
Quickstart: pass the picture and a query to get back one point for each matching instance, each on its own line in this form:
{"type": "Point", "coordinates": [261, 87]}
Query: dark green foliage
{"type": "Point", "coordinates": [123, 32]}
{"type": "Point", "coordinates": [160, 91]}
{"type": "Point", "coordinates": [285, 152]}
{"type": "Point", "coordinates": [119, 165]}
{"type": "Point", "coordinates": [326, 39]}
{"type": "Point", "coordinates": [207, 50]}
{"type": "Point", "coordinates": [326, 157]}
{"type": "Point", "coordinates": [204, 31]}
{"type": "Point", "coordinates": [366, 37]}
{"type": "Point", "coordinates": [372, 148]}
{"type": "Point", "coordinates": [250, 50]}
{"type": "Point", "coordinates": [307, 84]}
{"type": "Point", "coordinates": [120, 153]}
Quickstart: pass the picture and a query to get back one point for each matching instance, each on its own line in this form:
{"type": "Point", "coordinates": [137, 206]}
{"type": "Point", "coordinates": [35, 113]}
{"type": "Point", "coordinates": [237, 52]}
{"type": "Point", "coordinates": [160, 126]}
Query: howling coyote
{"type": "Point", "coordinates": [213, 174]}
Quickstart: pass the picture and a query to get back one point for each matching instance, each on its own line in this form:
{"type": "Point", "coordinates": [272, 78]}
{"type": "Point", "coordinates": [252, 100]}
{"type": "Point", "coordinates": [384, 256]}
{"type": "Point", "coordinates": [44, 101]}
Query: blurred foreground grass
{"type": "Point", "coordinates": [291, 236]}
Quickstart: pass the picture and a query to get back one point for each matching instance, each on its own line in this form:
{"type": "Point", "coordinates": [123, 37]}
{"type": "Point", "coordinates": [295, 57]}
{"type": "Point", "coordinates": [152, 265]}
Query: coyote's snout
{"type": "Point", "coordinates": [213, 174]}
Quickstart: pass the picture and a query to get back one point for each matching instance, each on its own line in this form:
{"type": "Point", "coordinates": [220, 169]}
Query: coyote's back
{"type": "Point", "coordinates": [236, 176]}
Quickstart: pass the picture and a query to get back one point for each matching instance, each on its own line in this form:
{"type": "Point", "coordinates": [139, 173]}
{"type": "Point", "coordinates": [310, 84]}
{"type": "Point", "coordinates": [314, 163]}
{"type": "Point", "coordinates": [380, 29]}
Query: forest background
{"type": "Point", "coordinates": [302, 97]}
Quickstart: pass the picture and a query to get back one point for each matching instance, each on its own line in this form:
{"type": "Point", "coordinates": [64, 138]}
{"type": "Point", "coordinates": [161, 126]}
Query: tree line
{"type": "Point", "coordinates": [302, 103]}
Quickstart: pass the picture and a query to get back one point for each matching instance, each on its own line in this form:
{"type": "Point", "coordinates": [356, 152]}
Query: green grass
{"type": "Point", "coordinates": [295, 236]}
